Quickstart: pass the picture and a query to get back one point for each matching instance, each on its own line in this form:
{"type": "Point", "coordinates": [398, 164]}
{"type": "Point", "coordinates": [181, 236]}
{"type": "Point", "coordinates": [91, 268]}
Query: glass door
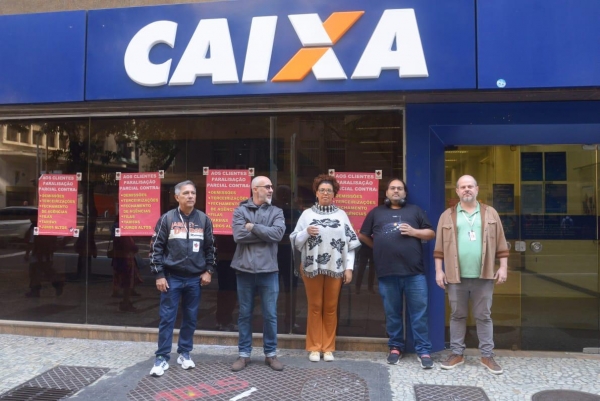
{"type": "Point", "coordinates": [315, 143]}
{"type": "Point", "coordinates": [547, 198]}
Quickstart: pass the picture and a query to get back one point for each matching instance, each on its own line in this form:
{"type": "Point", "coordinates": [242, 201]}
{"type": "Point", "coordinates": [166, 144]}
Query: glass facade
{"type": "Point", "coordinates": [547, 198]}
{"type": "Point", "coordinates": [80, 284]}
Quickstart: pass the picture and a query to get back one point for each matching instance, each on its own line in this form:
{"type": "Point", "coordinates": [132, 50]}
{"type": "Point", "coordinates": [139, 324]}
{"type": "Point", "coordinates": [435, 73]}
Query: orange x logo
{"type": "Point", "coordinates": [318, 37]}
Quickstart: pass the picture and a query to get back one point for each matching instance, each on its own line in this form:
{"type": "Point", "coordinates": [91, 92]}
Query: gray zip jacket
{"type": "Point", "coordinates": [256, 250]}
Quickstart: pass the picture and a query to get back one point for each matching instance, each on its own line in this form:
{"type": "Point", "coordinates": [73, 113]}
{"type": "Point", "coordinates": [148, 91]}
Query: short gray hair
{"type": "Point", "coordinates": [183, 184]}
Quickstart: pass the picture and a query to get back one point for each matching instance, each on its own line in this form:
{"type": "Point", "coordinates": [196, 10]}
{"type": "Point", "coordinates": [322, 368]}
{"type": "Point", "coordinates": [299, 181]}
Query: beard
{"type": "Point", "coordinates": [268, 200]}
{"type": "Point", "coordinates": [468, 198]}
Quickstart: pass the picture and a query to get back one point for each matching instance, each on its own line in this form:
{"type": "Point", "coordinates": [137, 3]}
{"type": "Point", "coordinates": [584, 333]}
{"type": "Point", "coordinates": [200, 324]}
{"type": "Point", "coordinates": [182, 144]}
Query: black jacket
{"type": "Point", "coordinates": [179, 250]}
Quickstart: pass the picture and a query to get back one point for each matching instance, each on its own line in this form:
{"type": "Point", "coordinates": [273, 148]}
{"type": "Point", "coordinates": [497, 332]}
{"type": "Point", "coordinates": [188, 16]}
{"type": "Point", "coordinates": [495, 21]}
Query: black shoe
{"type": "Point", "coordinates": [426, 361]}
{"type": "Point", "coordinates": [394, 356]}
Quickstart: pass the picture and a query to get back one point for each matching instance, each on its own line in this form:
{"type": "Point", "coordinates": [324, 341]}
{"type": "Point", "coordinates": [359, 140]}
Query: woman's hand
{"type": "Point", "coordinates": [347, 279]}
{"type": "Point", "coordinates": [312, 230]}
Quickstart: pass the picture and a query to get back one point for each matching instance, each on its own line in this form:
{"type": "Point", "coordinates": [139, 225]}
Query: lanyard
{"type": "Point", "coordinates": [184, 223]}
{"type": "Point", "coordinates": [471, 221]}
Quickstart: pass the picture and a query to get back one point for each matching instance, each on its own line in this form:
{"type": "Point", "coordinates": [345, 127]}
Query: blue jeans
{"type": "Point", "coordinates": [188, 289]}
{"type": "Point", "coordinates": [392, 289]}
{"type": "Point", "coordinates": [248, 285]}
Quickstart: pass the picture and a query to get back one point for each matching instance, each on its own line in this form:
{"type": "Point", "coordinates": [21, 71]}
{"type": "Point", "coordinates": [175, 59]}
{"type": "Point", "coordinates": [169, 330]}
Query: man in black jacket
{"type": "Point", "coordinates": [182, 259]}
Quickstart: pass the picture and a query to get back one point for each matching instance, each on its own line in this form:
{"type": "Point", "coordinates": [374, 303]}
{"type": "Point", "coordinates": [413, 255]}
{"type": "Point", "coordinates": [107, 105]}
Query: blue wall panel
{"type": "Point", "coordinates": [538, 43]}
{"type": "Point", "coordinates": [43, 57]}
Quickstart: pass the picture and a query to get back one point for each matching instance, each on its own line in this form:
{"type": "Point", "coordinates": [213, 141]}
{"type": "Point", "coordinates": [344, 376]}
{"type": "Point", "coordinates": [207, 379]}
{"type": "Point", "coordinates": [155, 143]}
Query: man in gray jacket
{"type": "Point", "coordinates": [257, 228]}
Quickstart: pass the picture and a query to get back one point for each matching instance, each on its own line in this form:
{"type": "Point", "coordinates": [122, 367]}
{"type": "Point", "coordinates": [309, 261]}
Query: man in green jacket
{"type": "Point", "coordinates": [469, 239]}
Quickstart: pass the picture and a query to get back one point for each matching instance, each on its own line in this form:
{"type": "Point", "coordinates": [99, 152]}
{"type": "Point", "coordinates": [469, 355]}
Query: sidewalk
{"type": "Point", "coordinates": [526, 373]}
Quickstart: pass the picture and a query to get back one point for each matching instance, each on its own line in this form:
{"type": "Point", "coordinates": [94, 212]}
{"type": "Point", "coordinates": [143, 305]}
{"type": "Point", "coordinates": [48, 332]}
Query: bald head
{"type": "Point", "coordinates": [262, 190]}
{"type": "Point", "coordinates": [467, 190]}
{"type": "Point", "coordinates": [467, 178]}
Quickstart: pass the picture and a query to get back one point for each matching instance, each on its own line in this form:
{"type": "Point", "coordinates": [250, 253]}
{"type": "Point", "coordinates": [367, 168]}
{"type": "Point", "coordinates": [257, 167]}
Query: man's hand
{"type": "Point", "coordinates": [406, 229]}
{"type": "Point", "coordinates": [440, 279]}
{"type": "Point", "coordinates": [206, 277]}
{"type": "Point", "coordinates": [162, 284]}
{"type": "Point", "coordinates": [347, 279]}
{"type": "Point", "coordinates": [501, 275]}
{"type": "Point", "coordinates": [249, 226]}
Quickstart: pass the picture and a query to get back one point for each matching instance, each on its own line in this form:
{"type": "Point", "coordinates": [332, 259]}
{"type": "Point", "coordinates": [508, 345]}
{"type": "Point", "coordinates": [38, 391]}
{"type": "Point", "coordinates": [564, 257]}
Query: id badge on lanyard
{"type": "Point", "coordinates": [472, 235]}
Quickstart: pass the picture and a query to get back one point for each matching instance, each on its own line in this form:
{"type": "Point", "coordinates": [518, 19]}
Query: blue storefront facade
{"type": "Point", "coordinates": [503, 90]}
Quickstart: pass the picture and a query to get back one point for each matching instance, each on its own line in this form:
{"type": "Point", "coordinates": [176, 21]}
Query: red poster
{"type": "Point", "coordinates": [57, 205]}
{"type": "Point", "coordinates": [358, 194]}
{"type": "Point", "coordinates": [225, 189]}
{"type": "Point", "coordinates": [139, 203]}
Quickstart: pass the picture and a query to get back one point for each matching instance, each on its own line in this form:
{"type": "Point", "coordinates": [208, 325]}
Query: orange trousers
{"type": "Point", "coordinates": [322, 295]}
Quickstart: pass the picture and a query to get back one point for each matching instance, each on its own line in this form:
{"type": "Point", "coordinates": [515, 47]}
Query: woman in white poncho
{"type": "Point", "coordinates": [327, 242]}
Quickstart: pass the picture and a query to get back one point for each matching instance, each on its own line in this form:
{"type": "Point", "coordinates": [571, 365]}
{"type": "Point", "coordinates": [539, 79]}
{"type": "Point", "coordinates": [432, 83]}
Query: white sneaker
{"type": "Point", "coordinates": [314, 356]}
{"type": "Point", "coordinates": [185, 361]}
{"type": "Point", "coordinates": [160, 365]}
{"type": "Point", "coordinates": [328, 357]}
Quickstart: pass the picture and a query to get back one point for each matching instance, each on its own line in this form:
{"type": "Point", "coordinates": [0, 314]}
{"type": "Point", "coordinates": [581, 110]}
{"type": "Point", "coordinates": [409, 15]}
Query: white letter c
{"type": "Point", "coordinates": [137, 56]}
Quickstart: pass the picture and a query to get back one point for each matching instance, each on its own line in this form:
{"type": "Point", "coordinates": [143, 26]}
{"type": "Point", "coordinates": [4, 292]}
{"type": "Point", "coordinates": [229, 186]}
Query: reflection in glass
{"type": "Point", "coordinates": [291, 149]}
{"type": "Point", "coordinates": [545, 195]}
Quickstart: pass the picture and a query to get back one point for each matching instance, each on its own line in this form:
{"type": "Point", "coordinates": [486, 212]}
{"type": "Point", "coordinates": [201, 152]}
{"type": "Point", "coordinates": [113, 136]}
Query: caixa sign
{"type": "Point", "coordinates": [317, 53]}
{"type": "Point", "coordinates": [261, 47]}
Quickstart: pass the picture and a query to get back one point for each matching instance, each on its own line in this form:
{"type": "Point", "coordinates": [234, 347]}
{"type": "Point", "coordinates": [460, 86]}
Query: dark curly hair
{"type": "Point", "coordinates": [328, 179]}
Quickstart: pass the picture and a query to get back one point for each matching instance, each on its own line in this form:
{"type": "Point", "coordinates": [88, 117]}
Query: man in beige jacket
{"type": "Point", "coordinates": [469, 239]}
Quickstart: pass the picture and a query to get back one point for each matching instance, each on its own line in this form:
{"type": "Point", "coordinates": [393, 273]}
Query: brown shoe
{"type": "Point", "coordinates": [491, 365]}
{"type": "Point", "coordinates": [274, 363]}
{"type": "Point", "coordinates": [452, 361]}
{"type": "Point", "coordinates": [240, 364]}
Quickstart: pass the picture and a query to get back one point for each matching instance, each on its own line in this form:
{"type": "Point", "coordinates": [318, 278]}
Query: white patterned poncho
{"type": "Point", "coordinates": [332, 250]}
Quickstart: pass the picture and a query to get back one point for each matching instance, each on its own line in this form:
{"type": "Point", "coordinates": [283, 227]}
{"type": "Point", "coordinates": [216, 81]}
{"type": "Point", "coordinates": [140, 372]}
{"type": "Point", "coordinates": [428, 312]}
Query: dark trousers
{"type": "Point", "coordinates": [364, 257]}
{"type": "Point", "coordinates": [227, 293]}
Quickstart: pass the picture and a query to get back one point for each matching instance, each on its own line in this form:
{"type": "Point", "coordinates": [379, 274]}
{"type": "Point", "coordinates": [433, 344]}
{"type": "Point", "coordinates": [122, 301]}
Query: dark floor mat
{"type": "Point", "coordinates": [257, 382]}
{"type": "Point", "coordinates": [564, 395]}
{"type": "Point", "coordinates": [55, 384]}
{"type": "Point", "coordinates": [426, 392]}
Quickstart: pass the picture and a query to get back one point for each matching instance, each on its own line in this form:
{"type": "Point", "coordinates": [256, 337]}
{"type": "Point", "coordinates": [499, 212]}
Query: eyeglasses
{"type": "Point", "coordinates": [396, 188]}
{"type": "Point", "coordinates": [267, 187]}
{"type": "Point", "coordinates": [325, 191]}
